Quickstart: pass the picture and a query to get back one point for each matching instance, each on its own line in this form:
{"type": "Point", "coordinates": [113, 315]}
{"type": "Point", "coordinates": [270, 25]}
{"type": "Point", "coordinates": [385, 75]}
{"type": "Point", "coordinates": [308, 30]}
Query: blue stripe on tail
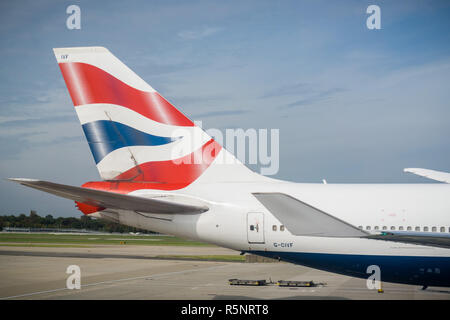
{"type": "Point", "coordinates": [105, 136]}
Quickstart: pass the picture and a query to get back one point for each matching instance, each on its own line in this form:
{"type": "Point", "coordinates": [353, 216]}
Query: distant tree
{"type": "Point", "coordinates": [83, 222]}
{"type": "Point", "coordinates": [48, 220]}
{"type": "Point", "coordinates": [34, 219]}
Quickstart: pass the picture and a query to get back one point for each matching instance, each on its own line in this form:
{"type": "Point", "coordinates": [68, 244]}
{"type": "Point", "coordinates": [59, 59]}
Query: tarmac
{"type": "Point", "coordinates": [136, 272]}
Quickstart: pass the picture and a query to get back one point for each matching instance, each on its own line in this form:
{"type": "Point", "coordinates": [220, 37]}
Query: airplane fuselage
{"type": "Point", "coordinates": [234, 210]}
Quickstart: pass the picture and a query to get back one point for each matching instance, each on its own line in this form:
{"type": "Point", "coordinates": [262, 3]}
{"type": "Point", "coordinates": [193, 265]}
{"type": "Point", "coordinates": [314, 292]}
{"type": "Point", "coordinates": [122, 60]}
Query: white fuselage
{"type": "Point", "coordinates": [233, 209]}
{"type": "Point", "coordinates": [370, 206]}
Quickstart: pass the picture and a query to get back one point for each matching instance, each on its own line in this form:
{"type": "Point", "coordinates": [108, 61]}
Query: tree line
{"type": "Point", "coordinates": [84, 222]}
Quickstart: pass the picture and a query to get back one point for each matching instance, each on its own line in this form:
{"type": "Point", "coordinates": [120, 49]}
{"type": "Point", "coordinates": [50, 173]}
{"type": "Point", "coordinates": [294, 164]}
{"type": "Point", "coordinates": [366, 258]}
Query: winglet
{"type": "Point", "coordinates": [430, 174]}
{"type": "Point", "coordinates": [21, 180]}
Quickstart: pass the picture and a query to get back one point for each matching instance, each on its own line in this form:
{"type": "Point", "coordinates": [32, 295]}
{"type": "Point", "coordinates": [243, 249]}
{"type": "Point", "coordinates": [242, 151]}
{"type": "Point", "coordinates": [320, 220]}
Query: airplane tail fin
{"type": "Point", "coordinates": [133, 132]}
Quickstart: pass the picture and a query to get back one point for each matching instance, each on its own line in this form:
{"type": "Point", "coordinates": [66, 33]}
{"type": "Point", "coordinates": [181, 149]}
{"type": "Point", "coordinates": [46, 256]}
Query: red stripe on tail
{"type": "Point", "coordinates": [178, 172]}
{"type": "Point", "coordinates": [162, 175]}
{"type": "Point", "coordinates": [88, 84]}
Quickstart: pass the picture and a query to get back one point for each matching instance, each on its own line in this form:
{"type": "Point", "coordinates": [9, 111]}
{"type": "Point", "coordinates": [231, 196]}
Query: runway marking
{"type": "Point", "coordinates": [113, 281]}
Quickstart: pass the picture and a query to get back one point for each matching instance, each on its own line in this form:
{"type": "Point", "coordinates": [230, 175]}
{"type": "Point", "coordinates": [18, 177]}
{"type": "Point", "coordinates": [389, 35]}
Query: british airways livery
{"type": "Point", "coordinates": [161, 172]}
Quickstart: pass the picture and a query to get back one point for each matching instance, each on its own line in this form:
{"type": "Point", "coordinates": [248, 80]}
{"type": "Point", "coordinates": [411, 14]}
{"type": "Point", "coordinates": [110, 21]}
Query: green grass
{"type": "Point", "coordinates": [90, 240]}
{"type": "Point", "coordinates": [42, 245]}
{"type": "Point", "coordinates": [45, 239]}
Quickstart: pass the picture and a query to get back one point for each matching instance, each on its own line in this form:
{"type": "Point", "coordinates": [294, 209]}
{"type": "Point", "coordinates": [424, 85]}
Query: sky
{"type": "Point", "coordinates": [352, 105]}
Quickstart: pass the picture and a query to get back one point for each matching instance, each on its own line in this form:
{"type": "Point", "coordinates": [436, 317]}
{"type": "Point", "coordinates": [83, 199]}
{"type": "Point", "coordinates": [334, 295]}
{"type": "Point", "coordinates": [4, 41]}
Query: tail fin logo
{"type": "Point", "coordinates": [131, 129]}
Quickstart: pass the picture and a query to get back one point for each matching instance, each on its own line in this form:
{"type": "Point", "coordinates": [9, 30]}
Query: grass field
{"type": "Point", "coordinates": [70, 240]}
{"type": "Point", "coordinates": [50, 240]}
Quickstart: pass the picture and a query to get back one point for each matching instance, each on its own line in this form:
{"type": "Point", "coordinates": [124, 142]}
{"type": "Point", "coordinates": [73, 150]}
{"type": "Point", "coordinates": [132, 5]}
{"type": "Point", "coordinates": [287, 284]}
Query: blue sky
{"type": "Point", "coordinates": [353, 105]}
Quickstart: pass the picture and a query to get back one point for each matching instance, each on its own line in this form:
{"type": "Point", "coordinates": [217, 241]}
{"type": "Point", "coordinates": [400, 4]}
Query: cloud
{"type": "Point", "coordinates": [27, 122]}
{"type": "Point", "coordinates": [219, 113]}
{"type": "Point", "coordinates": [316, 97]}
{"type": "Point", "coordinates": [16, 143]}
{"type": "Point", "coordinates": [291, 89]}
{"type": "Point", "coordinates": [198, 33]}
{"type": "Point", "coordinates": [31, 100]}
{"type": "Point", "coordinates": [197, 99]}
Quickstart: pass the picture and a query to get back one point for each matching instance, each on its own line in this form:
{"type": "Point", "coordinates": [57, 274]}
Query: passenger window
{"type": "Point", "coordinates": [376, 227]}
{"type": "Point", "coordinates": [384, 228]}
{"type": "Point", "coordinates": [442, 229]}
{"type": "Point", "coordinates": [434, 229]}
{"type": "Point", "coordinates": [360, 227]}
{"type": "Point", "coordinates": [392, 228]}
{"type": "Point", "coordinates": [417, 228]}
{"type": "Point", "coordinates": [425, 229]}
{"type": "Point", "coordinates": [252, 227]}
{"type": "Point", "coordinates": [368, 228]}
{"type": "Point", "coordinates": [281, 228]}
{"type": "Point", "coordinates": [409, 228]}
{"type": "Point", "coordinates": [274, 227]}
{"type": "Point", "coordinates": [400, 228]}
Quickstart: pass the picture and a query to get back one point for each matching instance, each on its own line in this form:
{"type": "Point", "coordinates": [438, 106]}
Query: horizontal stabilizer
{"type": "Point", "coordinates": [105, 199]}
{"type": "Point", "coordinates": [430, 174]}
{"type": "Point", "coordinates": [301, 219]}
{"type": "Point", "coordinates": [435, 239]}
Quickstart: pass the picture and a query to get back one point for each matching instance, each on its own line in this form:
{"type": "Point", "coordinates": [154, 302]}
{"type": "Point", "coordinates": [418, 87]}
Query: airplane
{"type": "Point", "coordinates": [154, 176]}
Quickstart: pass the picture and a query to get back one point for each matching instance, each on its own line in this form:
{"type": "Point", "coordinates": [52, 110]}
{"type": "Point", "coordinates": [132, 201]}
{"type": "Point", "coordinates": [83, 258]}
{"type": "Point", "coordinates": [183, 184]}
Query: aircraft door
{"type": "Point", "coordinates": [255, 227]}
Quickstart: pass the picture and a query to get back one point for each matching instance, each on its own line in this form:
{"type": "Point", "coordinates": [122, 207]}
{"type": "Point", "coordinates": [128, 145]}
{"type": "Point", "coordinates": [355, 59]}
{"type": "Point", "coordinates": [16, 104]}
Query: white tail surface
{"type": "Point", "coordinates": [134, 133]}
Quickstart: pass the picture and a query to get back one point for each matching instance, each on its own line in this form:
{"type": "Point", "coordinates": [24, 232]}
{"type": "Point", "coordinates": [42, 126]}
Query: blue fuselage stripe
{"type": "Point", "coordinates": [417, 270]}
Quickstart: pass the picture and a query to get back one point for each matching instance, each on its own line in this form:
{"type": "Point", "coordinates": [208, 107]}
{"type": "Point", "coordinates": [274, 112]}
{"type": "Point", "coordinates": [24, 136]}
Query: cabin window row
{"type": "Point", "coordinates": [275, 227]}
{"type": "Point", "coordinates": [408, 228]}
